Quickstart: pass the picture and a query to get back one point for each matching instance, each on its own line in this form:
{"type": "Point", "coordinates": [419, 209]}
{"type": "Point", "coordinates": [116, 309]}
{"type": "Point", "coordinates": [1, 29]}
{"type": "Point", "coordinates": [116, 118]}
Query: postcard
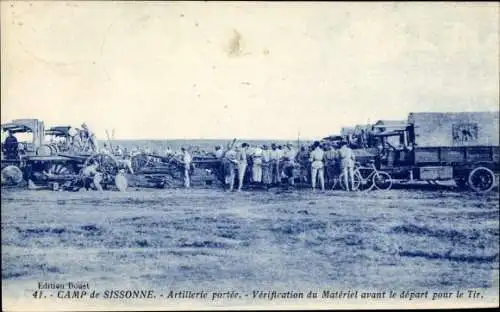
{"type": "Point", "coordinates": [249, 155]}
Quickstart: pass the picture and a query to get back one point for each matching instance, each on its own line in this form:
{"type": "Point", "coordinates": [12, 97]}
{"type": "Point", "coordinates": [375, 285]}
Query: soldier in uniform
{"type": "Point", "coordinates": [317, 166]}
{"type": "Point", "coordinates": [257, 156]}
{"type": "Point", "coordinates": [303, 159]}
{"type": "Point", "coordinates": [11, 146]}
{"type": "Point", "coordinates": [289, 157]}
{"type": "Point", "coordinates": [331, 157]}
{"type": "Point", "coordinates": [267, 169]}
{"type": "Point", "coordinates": [186, 161]}
{"type": "Point", "coordinates": [241, 157]}
{"type": "Point", "coordinates": [347, 161]}
{"type": "Point", "coordinates": [91, 175]}
{"type": "Point", "coordinates": [230, 164]}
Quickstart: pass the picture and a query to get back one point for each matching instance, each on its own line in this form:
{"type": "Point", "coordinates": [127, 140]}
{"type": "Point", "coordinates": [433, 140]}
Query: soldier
{"type": "Point", "coordinates": [317, 166]}
{"type": "Point", "coordinates": [230, 163]}
{"type": "Point", "coordinates": [105, 149]}
{"type": "Point", "coordinates": [267, 170]}
{"type": "Point", "coordinates": [242, 164]}
{"type": "Point", "coordinates": [11, 146]}
{"type": "Point", "coordinates": [347, 161]}
{"type": "Point", "coordinates": [90, 174]}
{"type": "Point", "coordinates": [303, 159]}
{"type": "Point", "coordinates": [275, 163]}
{"type": "Point", "coordinates": [89, 137]}
{"type": "Point", "coordinates": [257, 156]}
{"type": "Point", "coordinates": [331, 156]}
{"type": "Point", "coordinates": [219, 152]}
{"type": "Point", "coordinates": [289, 156]}
{"type": "Point", "coordinates": [186, 160]}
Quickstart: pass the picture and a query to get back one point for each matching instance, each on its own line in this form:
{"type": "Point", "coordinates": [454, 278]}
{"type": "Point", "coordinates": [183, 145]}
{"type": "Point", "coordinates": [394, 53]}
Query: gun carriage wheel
{"type": "Point", "coordinates": [46, 150]}
{"type": "Point", "coordinates": [140, 161]}
{"type": "Point", "coordinates": [59, 169]}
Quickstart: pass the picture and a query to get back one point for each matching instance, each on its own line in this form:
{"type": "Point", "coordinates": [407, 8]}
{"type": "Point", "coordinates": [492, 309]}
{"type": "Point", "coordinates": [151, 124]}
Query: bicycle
{"type": "Point", "coordinates": [380, 180]}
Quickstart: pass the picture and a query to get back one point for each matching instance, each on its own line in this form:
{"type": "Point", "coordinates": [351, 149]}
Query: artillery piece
{"type": "Point", "coordinates": [45, 161]}
{"type": "Point", "coordinates": [158, 171]}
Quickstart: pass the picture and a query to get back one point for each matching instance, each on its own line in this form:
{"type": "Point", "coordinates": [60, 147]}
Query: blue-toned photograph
{"type": "Point", "coordinates": [209, 155]}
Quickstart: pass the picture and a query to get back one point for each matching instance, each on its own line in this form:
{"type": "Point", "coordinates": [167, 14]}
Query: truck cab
{"type": "Point", "coordinates": [29, 134]}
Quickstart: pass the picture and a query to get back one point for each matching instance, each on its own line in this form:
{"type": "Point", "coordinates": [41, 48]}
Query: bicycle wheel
{"type": "Point", "coordinates": [382, 181]}
{"type": "Point", "coordinates": [363, 184]}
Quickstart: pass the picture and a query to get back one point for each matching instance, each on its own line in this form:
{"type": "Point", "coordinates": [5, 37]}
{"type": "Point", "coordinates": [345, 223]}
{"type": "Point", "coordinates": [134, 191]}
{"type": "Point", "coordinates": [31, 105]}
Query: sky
{"type": "Point", "coordinates": [253, 70]}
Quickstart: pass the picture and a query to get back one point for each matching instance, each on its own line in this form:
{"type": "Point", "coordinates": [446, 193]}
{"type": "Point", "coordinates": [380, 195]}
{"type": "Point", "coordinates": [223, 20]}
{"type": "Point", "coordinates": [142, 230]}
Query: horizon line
{"type": "Point", "coordinates": [211, 139]}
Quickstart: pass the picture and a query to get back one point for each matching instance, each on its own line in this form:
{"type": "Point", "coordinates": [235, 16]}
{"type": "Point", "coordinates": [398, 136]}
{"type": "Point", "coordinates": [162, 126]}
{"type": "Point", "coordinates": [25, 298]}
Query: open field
{"type": "Point", "coordinates": [206, 239]}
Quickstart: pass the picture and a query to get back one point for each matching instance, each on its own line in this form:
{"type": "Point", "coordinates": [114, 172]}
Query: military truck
{"type": "Point", "coordinates": [433, 147]}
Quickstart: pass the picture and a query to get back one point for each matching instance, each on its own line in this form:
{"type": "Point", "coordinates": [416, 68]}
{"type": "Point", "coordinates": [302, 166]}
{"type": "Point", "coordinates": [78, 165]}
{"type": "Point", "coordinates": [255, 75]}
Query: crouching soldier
{"type": "Point", "coordinates": [91, 175]}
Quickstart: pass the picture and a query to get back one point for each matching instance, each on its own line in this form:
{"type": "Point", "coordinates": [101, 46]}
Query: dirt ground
{"type": "Point", "coordinates": [410, 238]}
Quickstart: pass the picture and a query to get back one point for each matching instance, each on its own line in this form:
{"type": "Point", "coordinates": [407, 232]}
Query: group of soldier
{"type": "Point", "coordinates": [241, 165]}
{"type": "Point", "coordinates": [265, 165]}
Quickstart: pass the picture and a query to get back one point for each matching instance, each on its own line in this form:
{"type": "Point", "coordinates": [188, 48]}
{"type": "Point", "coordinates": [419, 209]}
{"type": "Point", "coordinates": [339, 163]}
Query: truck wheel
{"type": "Point", "coordinates": [481, 180]}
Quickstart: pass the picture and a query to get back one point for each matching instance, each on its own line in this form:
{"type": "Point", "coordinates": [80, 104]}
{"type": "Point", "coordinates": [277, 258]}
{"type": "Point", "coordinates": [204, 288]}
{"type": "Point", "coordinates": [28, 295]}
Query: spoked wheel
{"type": "Point", "coordinates": [45, 150]}
{"type": "Point", "coordinates": [481, 180]}
{"type": "Point", "coordinates": [139, 162]}
{"type": "Point", "coordinates": [382, 181]}
{"type": "Point", "coordinates": [356, 183]}
{"type": "Point", "coordinates": [364, 184]}
{"type": "Point", "coordinates": [59, 169]}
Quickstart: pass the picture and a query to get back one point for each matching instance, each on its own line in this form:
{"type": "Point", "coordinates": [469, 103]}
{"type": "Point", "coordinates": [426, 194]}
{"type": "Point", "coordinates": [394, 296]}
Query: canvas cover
{"type": "Point", "coordinates": [455, 129]}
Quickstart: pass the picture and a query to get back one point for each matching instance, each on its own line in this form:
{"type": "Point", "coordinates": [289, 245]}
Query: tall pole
{"type": "Point", "coordinates": [298, 139]}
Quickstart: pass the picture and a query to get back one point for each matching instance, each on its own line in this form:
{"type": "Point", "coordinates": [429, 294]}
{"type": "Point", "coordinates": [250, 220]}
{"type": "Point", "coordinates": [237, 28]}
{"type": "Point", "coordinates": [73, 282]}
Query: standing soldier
{"type": "Point", "coordinates": [317, 166]}
{"type": "Point", "coordinates": [303, 160]}
{"type": "Point", "coordinates": [89, 137]}
{"type": "Point", "coordinates": [347, 160]}
{"type": "Point", "coordinates": [241, 156]}
{"type": "Point", "coordinates": [275, 164]}
{"type": "Point", "coordinates": [219, 152]}
{"type": "Point", "coordinates": [186, 160]}
{"type": "Point", "coordinates": [11, 146]}
{"type": "Point", "coordinates": [331, 156]}
{"type": "Point", "coordinates": [257, 165]}
{"type": "Point", "coordinates": [267, 169]}
{"type": "Point", "coordinates": [289, 157]}
{"type": "Point", "coordinates": [229, 163]}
